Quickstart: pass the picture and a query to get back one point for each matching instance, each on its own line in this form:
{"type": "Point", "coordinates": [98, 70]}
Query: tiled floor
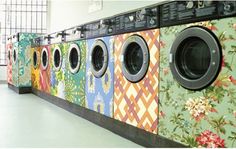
{"type": "Point", "coordinates": [29, 121]}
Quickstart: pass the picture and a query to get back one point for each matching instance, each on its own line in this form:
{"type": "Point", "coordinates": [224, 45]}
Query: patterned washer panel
{"type": "Point", "coordinates": [9, 63]}
{"type": "Point", "coordinates": [75, 83]}
{"type": "Point", "coordinates": [99, 91]}
{"type": "Point", "coordinates": [44, 75]}
{"type": "Point", "coordinates": [137, 103]}
{"type": "Point", "coordinates": [15, 67]}
{"type": "Point", "coordinates": [57, 82]}
{"type": "Point", "coordinates": [24, 59]}
{"type": "Point", "coordinates": [35, 72]}
{"type": "Point", "coordinates": [205, 118]}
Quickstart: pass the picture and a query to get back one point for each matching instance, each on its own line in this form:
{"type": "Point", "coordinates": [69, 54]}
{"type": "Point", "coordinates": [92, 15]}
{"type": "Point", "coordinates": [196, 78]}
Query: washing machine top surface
{"type": "Point", "coordinates": [182, 12]}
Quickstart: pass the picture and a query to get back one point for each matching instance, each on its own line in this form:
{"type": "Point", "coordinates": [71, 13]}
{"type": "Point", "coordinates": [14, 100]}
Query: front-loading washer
{"type": "Point", "coordinates": [57, 64]}
{"type": "Point", "coordinates": [21, 61]}
{"type": "Point", "coordinates": [44, 73]}
{"type": "Point", "coordinates": [197, 73]}
{"type": "Point", "coordinates": [9, 60]}
{"type": "Point", "coordinates": [137, 69]}
{"type": "Point", "coordinates": [100, 66]}
{"type": "Point", "coordinates": [75, 47]}
{"type": "Point", "coordinates": [35, 67]}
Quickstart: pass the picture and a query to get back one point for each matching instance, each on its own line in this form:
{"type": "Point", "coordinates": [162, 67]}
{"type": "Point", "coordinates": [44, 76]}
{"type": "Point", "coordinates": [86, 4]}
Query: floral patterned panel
{"type": "Point", "coordinates": [205, 118]}
{"type": "Point", "coordinates": [99, 91]}
{"type": "Point", "coordinates": [44, 78]}
{"type": "Point", "coordinates": [75, 83]}
{"type": "Point", "coordinates": [57, 82]}
{"type": "Point", "coordinates": [137, 103]}
{"type": "Point", "coordinates": [15, 67]}
{"type": "Point", "coordinates": [24, 59]}
{"type": "Point", "coordinates": [9, 63]}
{"type": "Point", "coordinates": [35, 75]}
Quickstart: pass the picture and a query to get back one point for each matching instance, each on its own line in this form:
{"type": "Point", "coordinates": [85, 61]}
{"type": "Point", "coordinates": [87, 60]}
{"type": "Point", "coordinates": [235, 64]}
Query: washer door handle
{"type": "Point", "coordinates": [170, 58]}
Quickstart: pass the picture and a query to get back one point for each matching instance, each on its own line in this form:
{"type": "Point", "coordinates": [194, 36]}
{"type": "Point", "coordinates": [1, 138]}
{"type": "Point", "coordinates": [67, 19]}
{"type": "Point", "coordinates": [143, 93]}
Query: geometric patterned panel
{"type": "Point", "coordinates": [75, 83]}
{"type": "Point", "coordinates": [99, 91]}
{"type": "Point", "coordinates": [44, 75]}
{"type": "Point", "coordinates": [35, 75]}
{"type": "Point", "coordinates": [205, 118]}
{"type": "Point", "coordinates": [9, 64]}
{"type": "Point", "coordinates": [57, 82]}
{"type": "Point", "coordinates": [137, 103]}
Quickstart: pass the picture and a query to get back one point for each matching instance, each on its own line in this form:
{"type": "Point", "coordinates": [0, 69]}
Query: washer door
{"type": "Point", "coordinates": [35, 59]}
{"type": "Point", "coordinates": [74, 58]}
{"type": "Point", "coordinates": [99, 58]}
{"type": "Point", "coordinates": [44, 58]}
{"type": "Point", "coordinates": [9, 56]}
{"type": "Point", "coordinates": [135, 58]}
{"type": "Point", "coordinates": [14, 55]}
{"type": "Point", "coordinates": [57, 58]}
{"type": "Point", "coordinates": [195, 58]}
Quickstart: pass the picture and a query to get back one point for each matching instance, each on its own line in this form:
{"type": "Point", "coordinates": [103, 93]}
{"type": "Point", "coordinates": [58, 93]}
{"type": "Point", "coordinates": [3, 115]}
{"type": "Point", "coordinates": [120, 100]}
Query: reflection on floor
{"type": "Point", "coordinates": [29, 121]}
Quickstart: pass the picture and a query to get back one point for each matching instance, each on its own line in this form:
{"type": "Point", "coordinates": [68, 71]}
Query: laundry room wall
{"type": "Point", "coordinates": [68, 13]}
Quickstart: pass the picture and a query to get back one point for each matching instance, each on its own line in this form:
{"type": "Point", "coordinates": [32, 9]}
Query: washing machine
{"type": "Point", "coordinates": [100, 66]}
{"type": "Point", "coordinates": [44, 68]}
{"type": "Point", "coordinates": [57, 65]}
{"type": "Point", "coordinates": [21, 65]}
{"type": "Point", "coordinates": [35, 67]}
{"type": "Point", "coordinates": [75, 47]}
{"type": "Point", "coordinates": [9, 60]}
{"type": "Point", "coordinates": [197, 73]}
{"type": "Point", "coordinates": [136, 49]}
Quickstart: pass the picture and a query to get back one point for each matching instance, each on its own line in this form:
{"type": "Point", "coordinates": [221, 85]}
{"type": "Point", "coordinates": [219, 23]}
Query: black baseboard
{"type": "Point", "coordinates": [20, 90]}
{"type": "Point", "coordinates": [127, 131]}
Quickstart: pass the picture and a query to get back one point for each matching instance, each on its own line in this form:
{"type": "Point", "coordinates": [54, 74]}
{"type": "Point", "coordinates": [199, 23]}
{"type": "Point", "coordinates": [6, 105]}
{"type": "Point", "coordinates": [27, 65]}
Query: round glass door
{"type": "Point", "coordinates": [195, 58]}
{"type": "Point", "coordinates": [99, 58]}
{"type": "Point", "coordinates": [35, 59]}
{"type": "Point", "coordinates": [135, 58]}
{"type": "Point", "coordinates": [57, 58]}
{"type": "Point", "coordinates": [74, 58]}
{"type": "Point", "coordinates": [14, 55]}
{"type": "Point", "coordinates": [44, 58]}
{"type": "Point", "coordinates": [9, 56]}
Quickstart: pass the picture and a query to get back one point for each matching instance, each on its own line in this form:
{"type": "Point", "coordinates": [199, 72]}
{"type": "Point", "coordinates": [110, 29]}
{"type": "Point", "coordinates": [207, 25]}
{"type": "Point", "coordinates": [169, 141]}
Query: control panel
{"type": "Point", "coordinates": [16, 37]}
{"type": "Point", "coordinates": [138, 20]}
{"type": "Point", "coordinates": [179, 12]}
{"type": "Point", "coordinates": [75, 33]}
{"type": "Point", "coordinates": [99, 28]}
{"type": "Point", "coordinates": [58, 37]}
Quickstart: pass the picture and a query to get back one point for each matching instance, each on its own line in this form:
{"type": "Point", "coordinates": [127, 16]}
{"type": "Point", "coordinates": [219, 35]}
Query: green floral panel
{"type": "Point", "coordinates": [75, 83]}
{"type": "Point", "coordinates": [205, 118]}
{"type": "Point", "coordinates": [57, 82]}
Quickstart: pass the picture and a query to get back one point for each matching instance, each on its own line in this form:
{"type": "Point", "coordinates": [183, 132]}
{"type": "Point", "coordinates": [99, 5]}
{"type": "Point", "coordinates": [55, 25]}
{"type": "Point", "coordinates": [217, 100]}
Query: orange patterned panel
{"type": "Point", "coordinates": [137, 103]}
{"type": "Point", "coordinates": [9, 64]}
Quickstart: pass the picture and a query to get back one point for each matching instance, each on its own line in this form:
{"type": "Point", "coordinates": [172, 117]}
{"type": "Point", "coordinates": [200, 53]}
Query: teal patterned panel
{"type": "Point", "coordinates": [75, 83]}
{"type": "Point", "coordinates": [24, 59]}
{"type": "Point", "coordinates": [205, 118]}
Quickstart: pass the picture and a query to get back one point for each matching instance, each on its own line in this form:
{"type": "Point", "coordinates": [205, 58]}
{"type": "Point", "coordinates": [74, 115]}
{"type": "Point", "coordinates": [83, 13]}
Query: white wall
{"type": "Point", "coordinates": [68, 13]}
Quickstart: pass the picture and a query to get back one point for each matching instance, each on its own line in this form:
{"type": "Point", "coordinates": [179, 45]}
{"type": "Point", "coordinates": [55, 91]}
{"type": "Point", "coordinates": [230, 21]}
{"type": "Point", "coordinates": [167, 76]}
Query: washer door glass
{"type": "Point", "coordinates": [57, 58]}
{"type": "Point", "coordinates": [9, 56]}
{"type": "Point", "coordinates": [14, 55]}
{"type": "Point", "coordinates": [135, 58]}
{"type": "Point", "coordinates": [195, 58]}
{"type": "Point", "coordinates": [99, 58]}
{"type": "Point", "coordinates": [44, 58]}
{"type": "Point", "coordinates": [35, 59]}
{"type": "Point", "coordinates": [74, 58]}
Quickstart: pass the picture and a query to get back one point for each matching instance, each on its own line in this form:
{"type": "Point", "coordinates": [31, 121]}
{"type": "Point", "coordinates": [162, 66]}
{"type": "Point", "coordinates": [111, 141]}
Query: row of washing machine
{"type": "Point", "coordinates": [167, 69]}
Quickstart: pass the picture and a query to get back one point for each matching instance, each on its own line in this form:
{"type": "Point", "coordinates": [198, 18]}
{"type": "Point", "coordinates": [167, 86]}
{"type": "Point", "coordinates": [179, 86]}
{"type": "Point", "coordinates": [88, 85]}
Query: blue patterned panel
{"type": "Point", "coordinates": [99, 91]}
